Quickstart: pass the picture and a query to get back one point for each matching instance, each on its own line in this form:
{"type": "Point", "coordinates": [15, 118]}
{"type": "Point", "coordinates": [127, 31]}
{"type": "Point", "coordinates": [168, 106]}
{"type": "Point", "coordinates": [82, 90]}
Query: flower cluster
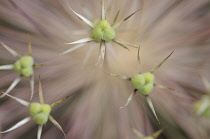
{"type": "Point", "coordinates": [161, 28]}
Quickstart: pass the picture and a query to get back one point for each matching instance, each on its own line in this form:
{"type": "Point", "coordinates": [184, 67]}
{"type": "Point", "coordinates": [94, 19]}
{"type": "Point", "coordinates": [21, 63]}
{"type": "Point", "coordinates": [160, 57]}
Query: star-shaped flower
{"type": "Point", "coordinates": [144, 82]}
{"type": "Point", "coordinates": [39, 113]}
{"type": "Point", "coordinates": [102, 32]}
{"type": "Point", "coordinates": [24, 66]}
{"type": "Point", "coordinates": [153, 136]}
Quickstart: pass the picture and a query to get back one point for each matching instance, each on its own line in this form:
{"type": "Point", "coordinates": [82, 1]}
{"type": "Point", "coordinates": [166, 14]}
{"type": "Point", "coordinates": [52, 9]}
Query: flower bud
{"type": "Point", "coordinates": [26, 61]}
{"type": "Point", "coordinates": [40, 118]}
{"type": "Point", "coordinates": [149, 77]}
{"type": "Point", "coordinates": [145, 90]}
{"type": "Point", "coordinates": [138, 81]}
{"type": "Point", "coordinates": [27, 72]}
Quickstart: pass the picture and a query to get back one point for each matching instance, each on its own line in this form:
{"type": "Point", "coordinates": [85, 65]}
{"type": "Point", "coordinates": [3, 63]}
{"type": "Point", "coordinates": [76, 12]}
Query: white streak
{"type": "Point", "coordinates": [32, 85]}
{"type": "Point", "coordinates": [72, 49]}
{"type": "Point", "coordinates": [81, 41]}
{"type": "Point", "coordinates": [83, 18]}
{"type": "Point", "coordinates": [22, 122]}
{"type": "Point", "coordinates": [6, 67]}
{"type": "Point", "coordinates": [39, 132]}
{"type": "Point", "coordinates": [10, 50]}
{"type": "Point", "coordinates": [56, 124]}
{"type": "Point", "coordinates": [23, 102]}
{"type": "Point", "coordinates": [14, 83]}
{"type": "Point", "coordinates": [149, 101]}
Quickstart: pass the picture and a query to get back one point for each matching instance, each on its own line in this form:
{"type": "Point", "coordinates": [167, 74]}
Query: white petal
{"type": "Point", "coordinates": [103, 13]}
{"type": "Point", "coordinates": [23, 102]}
{"type": "Point", "coordinates": [32, 85]}
{"type": "Point", "coordinates": [124, 44]}
{"type": "Point", "coordinates": [56, 124]}
{"type": "Point", "coordinates": [120, 76]}
{"type": "Point", "coordinates": [102, 53]}
{"type": "Point", "coordinates": [83, 18]}
{"type": "Point", "coordinates": [39, 132]}
{"type": "Point", "coordinates": [72, 49]}
{"type": "Point", "coordinates": [14, 83]}
{"type": "Point", "coordinates": [22, 122]}
{"type": "Point", "coordinates": [11, 51]}
{"type": "Point", "coordinates": [149, 101]}
{"type": "Point", "coordinates": [161, 63]}
{"type": "Point", "coordinates": [81, 41]}
{"type": "Point", "coordinates": [6, 67]}
{"type": "Point", "coordinates": [41, 99]}
{"type": "Point", "coordinates": [89, 52]}
{"type": "Point", "coordinates": [130, 98]}
{"type": "Point", "coordinates": [165, 87]}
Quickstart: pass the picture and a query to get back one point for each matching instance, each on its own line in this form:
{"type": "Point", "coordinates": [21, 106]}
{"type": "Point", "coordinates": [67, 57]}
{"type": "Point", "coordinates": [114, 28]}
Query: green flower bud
{"type": "Point", "coordinates": [103, 24]}
{"type": "Point", "coordinates": [35, 108]}
{"type": "Point", "coordinates": [206, 112]}
{"type": "Point", "coordinates": [46, 109]}
{"type": "Point", "coordinates": [27, 72]}
{"type": "Point", "coordinates": [26, 61]}
{"type": "Point", "coordinates": [149, 77]}
{"type": "Point", "coordinates": [103, 31]}
{"type": "Point", "coordinates": [40, 118]}
{"type": "Point", "coordinates": [97, 34]}
{"type": "Point", "coordinates": [138, 81]}
{"type": "Point", "coordinates": [17, 66]}
{"type": "Point", "coordinates": [145, 90]}
{"type": "Point", "coordinates": [109, 34]}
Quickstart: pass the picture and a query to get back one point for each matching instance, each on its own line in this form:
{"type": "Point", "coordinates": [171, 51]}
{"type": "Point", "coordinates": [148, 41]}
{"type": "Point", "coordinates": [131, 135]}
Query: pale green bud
{"type": "Point", "coordinates": [149, 77]}
{"type": "Point", "coordinates": [138, 81]}
{"type": "Point", "coordinates": [40, 118]}
{"type": "Point", "coordinates": [145, 90]}
{"type": "Point", "coordinates": [103, 24]}
{"type": "Point", "coordinates": [27, 72]}
{"type": "Point", "coordinates": [35, 108]}
{"type": "Point", "coordinates": [97, 34]}
{"type": "Point", "coordinates": [46, 109]}
{"type": "Point", "coordinates": [103, 31]}
{"type": "Point", "coordinates": [17, 66]}
{"type": "Point", "coordinates": [26, 61]}
{"type": "Point", "coordinates": [109, 34]}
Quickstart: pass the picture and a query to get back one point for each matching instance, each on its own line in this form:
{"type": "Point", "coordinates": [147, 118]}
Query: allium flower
{"type": "Point", "coordinates": [93, 112]}
{"type": "Point", "coordinates": [144, 82]}
{"type": "Point", "coordinates": [102, 32]}
{"type": "Point", "coordinates": [24, 66]}
{"type": "Point", "coordinates": [39, 113]}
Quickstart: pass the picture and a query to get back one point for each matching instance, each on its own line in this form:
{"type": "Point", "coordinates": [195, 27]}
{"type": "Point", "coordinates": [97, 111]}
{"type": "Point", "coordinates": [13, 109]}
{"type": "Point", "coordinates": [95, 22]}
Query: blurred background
{"type": "Point", "coordinates": [93, 110]}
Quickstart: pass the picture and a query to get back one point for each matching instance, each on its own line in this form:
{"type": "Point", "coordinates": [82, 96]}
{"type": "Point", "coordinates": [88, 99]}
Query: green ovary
{"type": "Point", "coordinates": [103, 31]}
{"type": "Point", "coordinates": [138, 81]}
{"type": "Point", "coordinates": [24, 66]}
{"type": "Point", "coordinates": [40, 118]}
{"type": "Point", "coordinates": [146, 89]}
{"type": "Point", "coordinates": [40, 112]}
{"type": "Point", "coordinates": [149, 77]}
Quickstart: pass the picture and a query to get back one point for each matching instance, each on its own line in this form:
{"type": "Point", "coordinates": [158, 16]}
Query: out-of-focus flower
{"type": "Point", "coordinates": [101, 32]}
{"type": "Point", "coordinates": [39, 113]}
{"type": "Point", "coordinates": [94, 111]}
{"type": "Point", "coordinates": [153, 136]}
{"type": "Point", "coordinates": [202, 106]}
